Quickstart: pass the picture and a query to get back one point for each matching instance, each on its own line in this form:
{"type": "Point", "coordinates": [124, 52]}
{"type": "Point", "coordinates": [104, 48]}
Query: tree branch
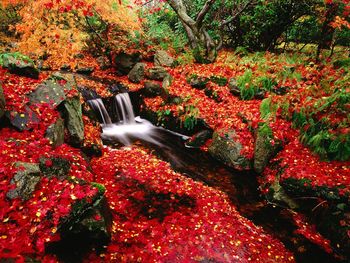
{"type": "Point", "coordinates": [203, 12]}
{"type": "Point", "coordinates": [236, 14]}
{"type": "Point", "coordinates": [180, 10]}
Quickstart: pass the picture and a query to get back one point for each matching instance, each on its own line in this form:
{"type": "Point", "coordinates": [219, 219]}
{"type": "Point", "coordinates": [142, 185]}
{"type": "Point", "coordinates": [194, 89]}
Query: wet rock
{"type": "Point", "coordinates": [119, 88]}
{"type": "Point", "coordinates": [2, 102]}
{"type": "Point", "coordinates": [49, 91]}
{"type": "Point", "coordinates": [87, 93]}
{"type": "Point", "coordinates": [265, 147]}
{"type": "Point", "coordinates": [199, 139]}
{"type": "Point", "coordinates": [55, 132]}
{"type": "Point", "coordinates": [157, 73]}
{"type": "Point", "coordinates": [74, 120]}
{"type": "Point", "coordinates": [234, 89]}
{"type": "Point", "coordinates": [23, 120]}
{"type": "Point", "coordinates": [197, 82]}
{"type": "Point", "coordinates": [20, 65]}
{"type": "Point", "coordinates": [55, 167]}
{"type": "Point", "coordinates": [25, 179]}
{"type": "Point", "coordinates": [225, 149]}
{"type": "Point", "coordinates": [85, 70]}
{"type": "Point", "coordinates": [103, 62]}
{"type": "Point", "coordinates": [125, 62]}
{"type": "Point", "coordinates": [162, 58]}
{"type": "Point", "coordinates": [137, 73]}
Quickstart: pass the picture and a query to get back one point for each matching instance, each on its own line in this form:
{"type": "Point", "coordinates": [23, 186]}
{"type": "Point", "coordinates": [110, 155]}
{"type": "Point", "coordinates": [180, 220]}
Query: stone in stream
{"type": "Point", "coordinates": [265, 147]}
{"type": "Point", "coordinates": [199, 139]}
{"type": "Point", "coordinates": [162, 58]}
{"type": "Point", "coordinates": [20, 65]}
{"type": "Point", "coordinates": [225, 149]}
{"type": "Point", "coordinates": [137, 73]}
{"type": "Point", "coordinates": [26, 178]}
{"type": "Point", "coordinates": [2, 102]}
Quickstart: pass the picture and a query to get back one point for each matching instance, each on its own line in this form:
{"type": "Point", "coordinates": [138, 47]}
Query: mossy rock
{"type": "Point", "coordinates": [55, 167]}
{"type": "Point", "coordinates": [197, 82]}
{"type": "Point", "coordinates": [221, 81]}
{"type": "Point", "coordinates": [19, 64]}
{"type": "Point", "coordinates": [25, 179]}
{"type": "Point", "coordinates": [227, 150]}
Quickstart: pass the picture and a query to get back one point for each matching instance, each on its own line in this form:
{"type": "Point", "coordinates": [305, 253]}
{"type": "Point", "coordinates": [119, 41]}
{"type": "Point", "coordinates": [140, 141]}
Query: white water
{"type": "Point", "coordinates": [127, 128]}
{"type": "Point", "coordinates": [98, 106]}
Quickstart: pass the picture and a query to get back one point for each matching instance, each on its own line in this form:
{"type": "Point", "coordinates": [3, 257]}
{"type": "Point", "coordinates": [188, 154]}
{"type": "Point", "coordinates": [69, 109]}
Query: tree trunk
{"type": "Point", "coordinates": [327, 31]}
{"type": "Point", "coordinates": [201, 42]}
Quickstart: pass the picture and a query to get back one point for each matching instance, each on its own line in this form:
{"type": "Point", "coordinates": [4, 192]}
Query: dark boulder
{"type": "Point", "coordinates": [225, 149]}
{"type": "Point", "coordinates": [197, 82]}
{"type": "Point", "coordinates": [23, 120]}
{"type": "Point", "coordinates": [49, 91]}
{"type": "Point", "coordinates": [137, 73]}
{"type": "Point", "coordinates": [152, 89]}
{"type": "Point", "coordinates": [199, 139]}
{"type": "Point", "coordinates": [72, 112]}
{"type": "Point", "coordinates": [157, 73]}
{"type": "Point", "coordinates": [125, 62]}
{"type": "Point", "coordinates": [25, 179]}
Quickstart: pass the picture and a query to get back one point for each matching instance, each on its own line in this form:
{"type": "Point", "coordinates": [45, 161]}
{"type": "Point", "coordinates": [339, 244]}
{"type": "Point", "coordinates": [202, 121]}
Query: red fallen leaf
{"type": "Point", "coordinates": [48, 163]}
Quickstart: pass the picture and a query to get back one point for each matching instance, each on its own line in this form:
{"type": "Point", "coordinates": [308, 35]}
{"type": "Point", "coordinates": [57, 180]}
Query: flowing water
{"type": "Point", "coordinates": [241, 187]}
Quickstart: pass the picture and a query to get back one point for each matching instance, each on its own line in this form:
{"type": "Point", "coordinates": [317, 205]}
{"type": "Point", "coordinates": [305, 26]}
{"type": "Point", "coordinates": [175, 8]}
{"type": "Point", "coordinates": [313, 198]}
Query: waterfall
{"type": "Point", "coordinates": [123, 108]}
{"type": "Point", "coordinates": [98, 106]}
{"type": "Point", "coordinates": [127, 128]}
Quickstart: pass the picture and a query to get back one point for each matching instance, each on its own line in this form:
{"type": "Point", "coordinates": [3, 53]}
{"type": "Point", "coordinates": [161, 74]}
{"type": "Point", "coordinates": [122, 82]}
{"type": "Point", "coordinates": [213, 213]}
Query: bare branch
{"type": "Point", "coordinates": [203, 12]}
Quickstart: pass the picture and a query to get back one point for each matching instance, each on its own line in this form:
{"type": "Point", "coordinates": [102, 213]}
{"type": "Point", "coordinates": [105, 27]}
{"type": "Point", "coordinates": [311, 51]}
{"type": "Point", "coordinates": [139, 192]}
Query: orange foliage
{"type": "Point", "coordinates": [57, 28]}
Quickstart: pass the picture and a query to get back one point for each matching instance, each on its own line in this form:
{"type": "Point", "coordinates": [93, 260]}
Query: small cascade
{"type": "Point", "coordinates": [127, 128]}
{"type": "Point", "coordinates": [98, 106]}
{"type": "Point", "coordinates": [123, 108]}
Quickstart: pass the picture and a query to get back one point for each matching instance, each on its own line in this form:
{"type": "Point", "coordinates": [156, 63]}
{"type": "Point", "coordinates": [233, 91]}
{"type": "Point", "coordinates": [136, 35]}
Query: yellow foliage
{"type": "Point", "coordinates": [56, 28]}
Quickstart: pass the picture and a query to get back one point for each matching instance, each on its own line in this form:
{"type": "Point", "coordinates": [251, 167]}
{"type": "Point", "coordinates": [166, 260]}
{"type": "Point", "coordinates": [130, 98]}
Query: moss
{"type": "Point", "coordinates": [221, 81]}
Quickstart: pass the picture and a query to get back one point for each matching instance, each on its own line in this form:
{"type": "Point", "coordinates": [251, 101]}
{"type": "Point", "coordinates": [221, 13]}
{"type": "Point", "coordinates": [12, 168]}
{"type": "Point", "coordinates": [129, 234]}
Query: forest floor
{"type": "Point", "coordinates": [161, 215]}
